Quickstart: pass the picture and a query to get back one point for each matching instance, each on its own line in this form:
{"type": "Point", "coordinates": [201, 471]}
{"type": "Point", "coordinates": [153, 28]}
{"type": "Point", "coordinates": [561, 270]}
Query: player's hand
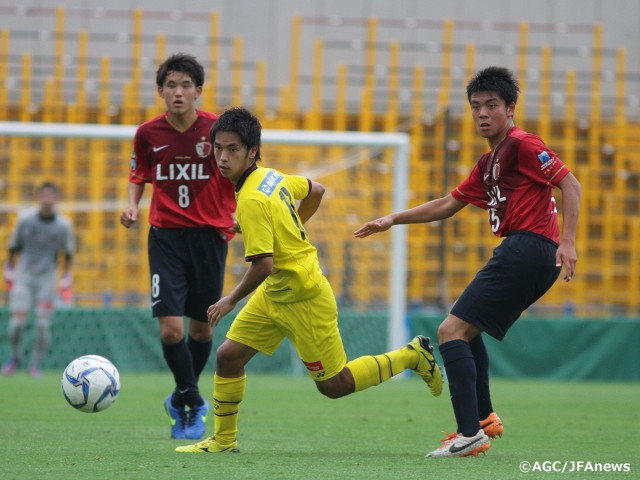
{"type": "Point", "coordinates": [566, 255]}
{"type": "Point", "coordinates": [64, 286]}
{"type": "Point", "coordinates": [218, 310]}
{"type": "Point", "coordinates": [380, 225]}
{"type": "Point", "coordinates": [8, 276]}
{"type": "Point", "coordinates": [129, 217]}
{"type": "Point", "coordinates": [65, 281]}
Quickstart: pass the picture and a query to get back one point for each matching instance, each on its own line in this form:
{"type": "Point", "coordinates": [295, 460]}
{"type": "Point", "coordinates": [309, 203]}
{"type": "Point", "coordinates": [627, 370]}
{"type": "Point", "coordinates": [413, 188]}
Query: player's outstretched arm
{"type": "Point", "coordinates": [379, 225]}
{"type": "Point", "coordinates": [431, 211]}
{"type": "Point", "coordinates": [566, 254]}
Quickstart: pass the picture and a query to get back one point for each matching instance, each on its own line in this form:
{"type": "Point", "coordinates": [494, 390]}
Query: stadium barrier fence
{"type": "Point", "coordinates": [562, 348]}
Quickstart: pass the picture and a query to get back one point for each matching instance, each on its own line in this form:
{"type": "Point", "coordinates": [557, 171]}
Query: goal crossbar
{"type": "Point", "coordinates": [398, 329]}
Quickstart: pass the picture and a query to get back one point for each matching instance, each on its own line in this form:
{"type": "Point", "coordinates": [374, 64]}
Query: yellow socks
{"type": "Point", "coordinates": [227, 395]}
{"type": "Point", "coordinates": [369, 371]}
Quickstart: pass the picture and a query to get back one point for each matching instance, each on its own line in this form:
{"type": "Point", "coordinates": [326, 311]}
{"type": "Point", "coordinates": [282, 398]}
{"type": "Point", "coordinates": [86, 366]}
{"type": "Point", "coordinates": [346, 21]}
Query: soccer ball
{"type": "Point", "coordinates": [91, 383]}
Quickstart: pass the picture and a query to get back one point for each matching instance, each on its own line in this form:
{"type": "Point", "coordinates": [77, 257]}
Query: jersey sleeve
{"type": "Point", "coordinates": [14, 239]}
{"type": "Point", "coordinates": [70, 241]}
{"type": "Point", "coordinates": [470, 190]}
{"type": "Point", "coordinates": [140, 166]}
{"type": "Point", "coordinates": [257, 230]}
{"type": "Point", "coordinates": [541, 163]}
{"type": "Point", "coordinates": [300, 186]}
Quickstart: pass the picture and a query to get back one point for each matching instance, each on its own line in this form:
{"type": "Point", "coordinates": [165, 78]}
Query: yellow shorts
{"type": "Point", "coordinates": [310, 325]}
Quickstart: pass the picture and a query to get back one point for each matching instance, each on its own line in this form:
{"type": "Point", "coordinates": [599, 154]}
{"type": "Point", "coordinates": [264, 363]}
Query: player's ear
{"type": "Point", "coordinates": [252, 152]}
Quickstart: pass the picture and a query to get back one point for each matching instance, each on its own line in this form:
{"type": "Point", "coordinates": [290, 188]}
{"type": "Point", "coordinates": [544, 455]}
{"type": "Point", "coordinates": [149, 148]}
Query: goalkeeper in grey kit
{"type": "Point", "coordinates": [40, 237]}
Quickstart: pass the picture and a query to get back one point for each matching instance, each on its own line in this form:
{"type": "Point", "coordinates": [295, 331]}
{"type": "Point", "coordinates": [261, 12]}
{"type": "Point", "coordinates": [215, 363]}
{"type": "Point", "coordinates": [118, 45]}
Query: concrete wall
{"type": "Point", "coordinates": [265, 26]}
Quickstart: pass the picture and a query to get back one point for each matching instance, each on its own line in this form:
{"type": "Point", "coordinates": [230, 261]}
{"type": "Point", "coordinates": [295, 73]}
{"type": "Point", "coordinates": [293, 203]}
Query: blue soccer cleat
{"type": "Point", "coordinates": [10, 366]}
{"type": "Point", "coordinates": [177, 417]}
{"type": "Point", "coordinates": [196, 421]}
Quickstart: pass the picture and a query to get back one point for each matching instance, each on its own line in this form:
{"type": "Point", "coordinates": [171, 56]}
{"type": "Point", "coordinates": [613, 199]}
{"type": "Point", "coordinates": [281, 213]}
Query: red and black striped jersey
{"type": "Point", "coordinates": [188, 190]}
{"type": "Point", "coordinates": [515, 184]}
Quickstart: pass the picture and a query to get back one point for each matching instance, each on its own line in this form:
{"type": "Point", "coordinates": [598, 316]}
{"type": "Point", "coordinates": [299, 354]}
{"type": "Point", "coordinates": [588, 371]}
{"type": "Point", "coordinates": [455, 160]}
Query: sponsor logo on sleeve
{"type": "Point", "coordinates": [545, 160]}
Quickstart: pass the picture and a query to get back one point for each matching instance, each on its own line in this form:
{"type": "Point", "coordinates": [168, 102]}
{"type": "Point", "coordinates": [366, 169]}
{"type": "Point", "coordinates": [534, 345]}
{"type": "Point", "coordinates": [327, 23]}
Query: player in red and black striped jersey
{"type": "Point", "coordinates": [192, 220]}
{"type": "Point", "coordinates": [189, 191]}
{"type": "Point", "coordinates": [514, 182]}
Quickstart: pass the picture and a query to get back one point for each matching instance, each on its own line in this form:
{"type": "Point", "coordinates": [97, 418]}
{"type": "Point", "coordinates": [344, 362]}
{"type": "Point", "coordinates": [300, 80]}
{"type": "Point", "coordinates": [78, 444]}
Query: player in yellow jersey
{"type": "Point", "coordinates": [292, 297]}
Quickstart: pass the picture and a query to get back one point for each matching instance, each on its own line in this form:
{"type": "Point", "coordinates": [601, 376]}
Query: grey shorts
{"type": "Point", "coordinates": [33, 290]}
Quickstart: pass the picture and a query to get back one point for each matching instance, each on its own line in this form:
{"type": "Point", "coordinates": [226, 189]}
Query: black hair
{"type": "Point", "coordinates": [239, 120]}
{"type": "Point", "coordinates": [495, 79]}
{"type": "Point", "coordinates": [49, 185]}
{"type": "Point", "coordinates": [181, 62]}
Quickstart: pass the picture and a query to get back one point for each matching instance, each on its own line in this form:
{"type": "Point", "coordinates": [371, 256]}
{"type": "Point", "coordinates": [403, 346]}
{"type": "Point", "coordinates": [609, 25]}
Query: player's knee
{"type": "Point", "coordinates": [171, 330]}
{"type": "Point", "coordinates": [223, 356]}
{"type": "Point", "coordinates": [443, 333]}
{"type": "Point", "coordinates": [230, 360]}
{"type": "Point", "coordinates": [18, 318]}
{"type": "Point", "coordinates": [338, 386]}
{"type": "Point", "coordinates": [454, 328]}
{"type": "Point", "coordinates": [330, 391]}
{"type": "Point", "coordinates": [201, 337]}
{"type": "Point", "coordinates": [200, 331]}
{"type": "Point", "coordinates": [171, 336]}
{"type": "Point", "coordinates": [43, 322]}
{"type": "Point", "coordinates": [43, 316]}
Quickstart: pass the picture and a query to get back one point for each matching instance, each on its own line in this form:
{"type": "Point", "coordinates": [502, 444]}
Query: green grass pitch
{"type": "Point", "coordinates": [289, 431]}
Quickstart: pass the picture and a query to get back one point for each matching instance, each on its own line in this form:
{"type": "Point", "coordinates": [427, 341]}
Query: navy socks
{"type": "Point", "coordinates": [200, 353]}
{"type": "Point", "coordinates": [481, 357]}
{"type": "Point", "coordinates": [178, 358]}
{"type": "Point", "coordinates": [460, 366]}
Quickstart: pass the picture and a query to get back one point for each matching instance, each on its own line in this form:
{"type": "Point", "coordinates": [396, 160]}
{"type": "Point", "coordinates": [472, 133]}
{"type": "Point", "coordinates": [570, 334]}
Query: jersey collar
{"type": "Point", "coordinates": [244, 176]}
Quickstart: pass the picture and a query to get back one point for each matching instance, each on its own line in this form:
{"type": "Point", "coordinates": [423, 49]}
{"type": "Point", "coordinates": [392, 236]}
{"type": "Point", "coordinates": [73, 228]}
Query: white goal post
{"type": "Point", "coordinates": [398, 330]}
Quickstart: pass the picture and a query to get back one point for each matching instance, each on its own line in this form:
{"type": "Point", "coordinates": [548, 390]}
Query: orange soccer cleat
{"type": "Point", "coordinates": [492, 426]}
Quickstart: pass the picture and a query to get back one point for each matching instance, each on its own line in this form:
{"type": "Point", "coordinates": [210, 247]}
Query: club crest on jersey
{"type": "Point", "coordinates": [270, 182]}
{"type": "Point", "coordinates": [496, 170]}
{"type": "Point", "coordinates": [545, 160]}
{"type": "Point", "coordinates": [203, 149]}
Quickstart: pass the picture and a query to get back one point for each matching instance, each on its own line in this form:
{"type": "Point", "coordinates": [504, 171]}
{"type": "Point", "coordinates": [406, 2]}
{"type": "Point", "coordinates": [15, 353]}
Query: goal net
{"type": "Point", "coordinates": [365, 176]}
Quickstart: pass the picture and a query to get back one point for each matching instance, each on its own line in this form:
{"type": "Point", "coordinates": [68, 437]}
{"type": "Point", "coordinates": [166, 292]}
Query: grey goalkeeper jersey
{"type": "Point", "coordinates": [39, 241]}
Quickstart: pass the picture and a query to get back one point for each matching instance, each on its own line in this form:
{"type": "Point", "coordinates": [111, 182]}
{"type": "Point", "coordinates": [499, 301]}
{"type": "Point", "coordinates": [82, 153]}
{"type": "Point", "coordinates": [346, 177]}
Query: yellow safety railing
{"type": "Point", "coordinates": [4, 73]}
{"type": "Point", "coordinates": [111, 261]}
{"type": "Point", "coordinates": [210, 91]}
{"type": "Point", "coordinates": [236, 73]}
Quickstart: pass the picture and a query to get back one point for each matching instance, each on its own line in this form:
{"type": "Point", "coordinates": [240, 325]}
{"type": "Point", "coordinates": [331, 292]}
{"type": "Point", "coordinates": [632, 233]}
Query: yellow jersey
{"type": "Point", "coordinates": [268, 218]}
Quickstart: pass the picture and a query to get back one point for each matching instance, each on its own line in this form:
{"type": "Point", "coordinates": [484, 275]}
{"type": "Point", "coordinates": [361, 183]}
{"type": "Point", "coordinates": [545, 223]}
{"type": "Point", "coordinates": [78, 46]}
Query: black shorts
{"type": "Point", "coordinates": [522, 269]}
{"type": "Point", "coordinates": [187, 270]}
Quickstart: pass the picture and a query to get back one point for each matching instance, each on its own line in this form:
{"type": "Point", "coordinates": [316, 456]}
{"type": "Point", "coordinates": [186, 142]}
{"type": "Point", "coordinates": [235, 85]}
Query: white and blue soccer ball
{"type": "Point", "coordinates": [91, 383]}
